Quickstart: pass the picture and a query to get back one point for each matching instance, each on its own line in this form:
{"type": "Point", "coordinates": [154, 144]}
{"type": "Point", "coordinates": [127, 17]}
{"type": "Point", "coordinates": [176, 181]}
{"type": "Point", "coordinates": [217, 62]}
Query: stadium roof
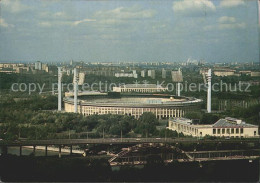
{"type": "Point", "coordinates": [141, 86]}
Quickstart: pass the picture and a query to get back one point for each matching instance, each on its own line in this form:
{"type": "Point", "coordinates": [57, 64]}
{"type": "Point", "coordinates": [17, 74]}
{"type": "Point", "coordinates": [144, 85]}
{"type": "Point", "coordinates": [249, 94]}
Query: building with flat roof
{"type": "Point", "coordinates": [151, 73]}
{"type": "Point", "coordinates": [140, 88]}
{"type": "Point", "coordinates": [163, 73]}
{"type": "Point", "coordinates": [227, 127]}
{"type": "Point", "coordinates": [126, 75]}
{"type": "Point", "coordinates": [225, 72]}
{"type": "Point", "coordinates": [143, 73]}
{"type": "Point", "coordinates": [38, 65]}
{"type": "Point", "coordinates": [163, 106]}
{"type": "Point", "coordinates": [255, 74]}
{"type": "Point", "coordinates": [177, 76]}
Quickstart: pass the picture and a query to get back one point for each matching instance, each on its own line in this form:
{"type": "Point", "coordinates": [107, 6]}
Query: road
{"type": "Point", "coordinates": [120, 141]}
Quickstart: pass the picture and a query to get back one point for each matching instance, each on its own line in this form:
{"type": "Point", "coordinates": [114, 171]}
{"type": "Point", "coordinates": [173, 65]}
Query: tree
{"type": "Point", "coordinates": [208, 118]}
{"type": "Point", "coordinates": [193, 115]}
{"type": "Point", "coordinates": [147, 124]}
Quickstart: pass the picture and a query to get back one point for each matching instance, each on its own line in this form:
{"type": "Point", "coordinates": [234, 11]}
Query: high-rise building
{"type": "Point", "coordinates": [163, 73]}
{"type": "Point", "coordinates": [151, 73]}
{"type": "Point", "coordinates": [81, 78]}
{"type": "Point", "coordinates": [177, 77]}
{"type": "Point", "coordinates": [38, 65]}
{"type": "Point", "coordinates": [143, 73]}
{"type": "Point", "coordinates": [44, 66]}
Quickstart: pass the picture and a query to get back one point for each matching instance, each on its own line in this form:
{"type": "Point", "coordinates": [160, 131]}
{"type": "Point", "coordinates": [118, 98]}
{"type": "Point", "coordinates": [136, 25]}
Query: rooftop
{"type": "Point", "coordinates": [141, 86]}
{"type": "Point", "coordinates": [185, 121]}
{"type": "Point", "coordinates": [231, 122]}
{"type": "Point", "coordinates": [223, 123]}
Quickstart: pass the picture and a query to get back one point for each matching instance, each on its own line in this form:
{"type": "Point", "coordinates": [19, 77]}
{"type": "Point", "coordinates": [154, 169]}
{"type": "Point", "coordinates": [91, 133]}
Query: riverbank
{"type": "Point", "coordinates": [92, 169]}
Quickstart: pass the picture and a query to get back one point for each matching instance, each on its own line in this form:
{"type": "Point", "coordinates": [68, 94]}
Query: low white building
{"type": "Point", "coordinates": [228, 127]}
{"type": "Point", "coordinates": [142, 88]}
{"type": "Point", "coordinates": [126, 75]}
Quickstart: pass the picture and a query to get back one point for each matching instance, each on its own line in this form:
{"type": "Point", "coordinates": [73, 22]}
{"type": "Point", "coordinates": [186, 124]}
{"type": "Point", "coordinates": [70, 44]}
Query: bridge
{"type": "Point", "coordinates": [113, 141]}
{"type": "Point", "coordinates": [139, 154]}
{"type": "Point", "coordinates": [121, 141]}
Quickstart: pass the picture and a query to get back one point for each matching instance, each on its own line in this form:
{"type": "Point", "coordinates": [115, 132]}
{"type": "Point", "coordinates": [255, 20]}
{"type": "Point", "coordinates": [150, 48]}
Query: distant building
{"type": "Point", "coordinates": [21, 70]}
{"type": "Point", "coordinates": [143, 73]}
{"type": "Point", "coordinates": [44, 66]}
{"type": "Point", "coordinates": [38, 65]}
{"type": "Point", "coordinates": [81, 78]}
{"type": "Point", "coordinates": [222, 73]}
{"type": "Point", "coordinates": [100, 72]}
{"type": "Point", "coordinates": [127, 75]}
{"type": "Point", "coordinates": [228, 127]}
{"type": "Point", "coordinates": [225, 71]}
{"type": "Point", "coordinates": [163, 73]}
{"type": "Point", "coordinates": [51, 69]}
{"type": "Point", "coordinates": [177, 76]}
{"type": "Point", "coordinates": [68, 72]}
{"type": "Point", "coordinates": [204, 70]}
{"type": "Point", "coordinates": [255, 74]}
{"type": "Point", "coordinates": [142, 88]}
{"type": "Point", "coordinates": [245, 72]}
{"type": "Point", "coordinates": [151, 73]}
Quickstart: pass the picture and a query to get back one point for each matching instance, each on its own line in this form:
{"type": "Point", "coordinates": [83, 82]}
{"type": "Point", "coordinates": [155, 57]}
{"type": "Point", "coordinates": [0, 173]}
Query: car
{"type": "Point", "coordinates": [137, 139]}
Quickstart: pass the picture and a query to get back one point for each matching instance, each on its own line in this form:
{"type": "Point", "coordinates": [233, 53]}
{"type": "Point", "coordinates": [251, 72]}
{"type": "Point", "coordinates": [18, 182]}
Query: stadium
{"type": "Point", "coordinates": [162, 105]}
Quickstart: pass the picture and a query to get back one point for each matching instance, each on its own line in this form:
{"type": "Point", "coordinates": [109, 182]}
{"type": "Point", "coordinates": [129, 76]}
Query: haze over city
{"type": "Point", "coordinates": [50, 31]}
{"type": "Point", "coordinates": [129, 91]}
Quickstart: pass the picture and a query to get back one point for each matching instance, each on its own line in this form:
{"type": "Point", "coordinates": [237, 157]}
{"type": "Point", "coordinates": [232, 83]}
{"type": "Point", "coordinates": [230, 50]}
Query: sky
{"type": "Point", "coordinates": [123, 30]}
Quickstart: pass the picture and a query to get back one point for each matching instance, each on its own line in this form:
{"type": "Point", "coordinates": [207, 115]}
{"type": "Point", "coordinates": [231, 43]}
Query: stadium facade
{"type": "Point", "coordinates": [162, 105]}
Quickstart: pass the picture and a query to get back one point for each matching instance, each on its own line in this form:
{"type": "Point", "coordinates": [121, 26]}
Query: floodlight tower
{"type": "Point", "coordinates": [179, 84]}
{"type": "Point", "coordinates": [59, 88]}
{"type": "Point", "coordinates": [75, 85]}
{"type": "Point", "coordinates": [209, 92]}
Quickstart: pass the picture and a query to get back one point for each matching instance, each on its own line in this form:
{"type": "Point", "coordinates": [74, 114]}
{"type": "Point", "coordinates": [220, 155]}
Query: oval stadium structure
{"type": "Point", "coordinates": [163, 106]}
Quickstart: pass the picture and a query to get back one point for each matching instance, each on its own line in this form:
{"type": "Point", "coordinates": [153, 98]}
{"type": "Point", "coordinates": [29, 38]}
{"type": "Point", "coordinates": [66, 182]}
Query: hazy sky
{"type": "Point", "coordinates": [146, 30]}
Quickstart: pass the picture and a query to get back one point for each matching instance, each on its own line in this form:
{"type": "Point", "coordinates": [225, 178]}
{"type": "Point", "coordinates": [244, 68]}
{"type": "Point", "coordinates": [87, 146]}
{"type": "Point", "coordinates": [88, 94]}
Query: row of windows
{"type": "Point", "coordinates": [228, 131]}
{"type": "Point", "coordinates": [133, 110]}
{"type": "Point", "coordinates": [142, 90]}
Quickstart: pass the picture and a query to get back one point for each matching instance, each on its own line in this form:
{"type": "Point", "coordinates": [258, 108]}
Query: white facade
{"type": "Point", "coordinates": [151, 73]}
{"type": "Point", "coordinates": [223, 73]}
{"type": "Point", "coordinates": [126, 75]}
{"type": "Point", "coordinates": [228, 127]}
{"type": "Point", "coordinates": [38, 65]}
{"type": "Point", "coordinates": [142, 88]}
{"type": "Point", "coordinates": [143, 73]}
{"type": "Point", "coordinates": [159, 111]}
{"type": "Point", "coordinates": [255, 74]}
{"type": "Point", "coordinates": [81, 78]}
{"type": "Point", "coordinates": [163, 73]}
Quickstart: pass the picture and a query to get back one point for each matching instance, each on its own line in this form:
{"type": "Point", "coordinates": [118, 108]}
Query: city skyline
{"type": "Point", "coordinates": [112, 31]}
